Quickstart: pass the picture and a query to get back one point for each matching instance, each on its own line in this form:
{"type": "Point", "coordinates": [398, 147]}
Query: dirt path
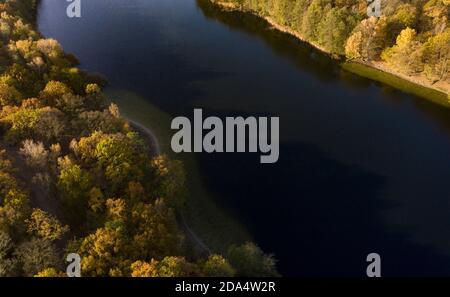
{"type": "Point", "coordinates": [148, 135]}
{"type": "Point", "coordinates": [156, 150]}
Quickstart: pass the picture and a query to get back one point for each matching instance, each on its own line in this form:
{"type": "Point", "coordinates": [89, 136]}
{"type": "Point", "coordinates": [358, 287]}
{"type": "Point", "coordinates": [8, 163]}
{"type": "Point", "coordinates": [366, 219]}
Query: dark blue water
{"type": "Point", "coordinates": [363, 168]}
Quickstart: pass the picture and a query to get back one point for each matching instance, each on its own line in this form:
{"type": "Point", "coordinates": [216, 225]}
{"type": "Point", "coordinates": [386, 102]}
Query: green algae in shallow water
{"type": "Point", "coordinates": [392, 80]}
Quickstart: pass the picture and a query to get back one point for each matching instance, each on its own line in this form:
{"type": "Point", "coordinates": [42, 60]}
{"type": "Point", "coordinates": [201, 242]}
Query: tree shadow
{"type": "Point", "coordinates": [301, 54]}
{"type": "Point", "coordinates": [319, 216]}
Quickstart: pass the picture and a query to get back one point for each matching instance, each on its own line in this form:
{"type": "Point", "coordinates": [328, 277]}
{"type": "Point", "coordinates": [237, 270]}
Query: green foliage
{"type": "Point", "coordinates": [22, 123]}
{"type": "Point", "coordinates": [73, 184]}
{"type": "Point", "coordinates": [50, 272]}
{"type": "Point", "coordinates": [103, 252]}
{"type": "Point", "coordinates": [407, 54]}
{"type": "Point", "coordinates": [406, 15]}
{"type": "Point", "coordinates": [335, 29]}
{"type": "Point", "coordinates": [249, 260]}
{"type": "Point", "coordinates": [176, 267]}
{"type": "Point", "coordinates": [45, 226]}
{"type": "Point", "coordinates": [437, 56]}
{"type": "Point", "coordinates": [368, 39]}
{"type": "Point", "coordinates": [9, 95]}
{"type": "Point", "coordinates": [149, 222]}
{"type": "Point", "coordinates": [313, 17]}
{"type": "Point", "coordinates": [167, 267]}
{"type": "Point", "coordinates": [116, 154]}
{"type": "Point", "coordinates": [392, 80]}
{"type": "Point", "coordinates": [341, 27]}
{"type": "Point", "coordinates": [80, 160]}
{"type": "Point", "coordinates": [217, 266]}
{"type": "Point", "coordinates": [53, 91]}
{"type": "Point", "coordinates": [169, 181]}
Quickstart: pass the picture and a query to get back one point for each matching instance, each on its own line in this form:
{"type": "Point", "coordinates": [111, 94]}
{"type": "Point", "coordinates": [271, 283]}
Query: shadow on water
{"type": "Point", "coordinates": [304, 56]}
{"type": "Point", "coordinates": [312, 240]}
{"type": "Point", "coordinates": [434, 112]}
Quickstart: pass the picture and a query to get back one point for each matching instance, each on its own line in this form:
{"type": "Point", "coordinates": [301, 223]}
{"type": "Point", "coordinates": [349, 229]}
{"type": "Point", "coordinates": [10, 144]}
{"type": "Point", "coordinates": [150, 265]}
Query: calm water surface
{"type": "Point", "coordinates": [362, 168]}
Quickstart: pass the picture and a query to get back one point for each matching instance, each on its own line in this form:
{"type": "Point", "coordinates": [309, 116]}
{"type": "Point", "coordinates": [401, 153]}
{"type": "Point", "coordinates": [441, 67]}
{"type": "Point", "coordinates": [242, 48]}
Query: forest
{"type": "Point", "coordinates": [412, 37]}
{"type": "Point", "coordinates": [75, 177]}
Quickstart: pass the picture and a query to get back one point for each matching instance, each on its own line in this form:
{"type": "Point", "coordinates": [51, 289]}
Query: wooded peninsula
{"type": "Point", "coordinates": [75, 177]}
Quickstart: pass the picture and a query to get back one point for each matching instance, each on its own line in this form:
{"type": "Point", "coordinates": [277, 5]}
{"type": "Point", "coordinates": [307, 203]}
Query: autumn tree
{"type": "Point", "coordinates": [50, 272]}
{"type": "Point", "coordinates": [44, 225]}
{"type": "Point", "coordinates": [335, 29]}
{"type": "Point", "coordinates": [217, 266]}
{"type": "Point", "coordinates": [176, 267]}
{"type": "Point", "coordinates": [168, 267]}
{"type": "Point", "coordinates": [9, 95]}
{"type": "Point", "coordinates": [437, 56]}
{"type": "Point", "coordinates": [144, 269]}
{"type": "Point", "coordinates": [169, 181]}
{"type": "Point", "coordinates": [121, 157]}
{"type": "Point", "coordinates": [53, 91]}
{"type": "Point", "coordinates": [407, 54]}
{"type": "Point", "coordinates": [154, 230]}
{"type": "Point", "coordinates": [35, 153]}
{"type": "Point", "coordinates": [36, 255]}
{"type": "Point", "coordinates": [45, 124]}
{"type": "Point", "coordinates": [249, 260]}
{"type": "Point", "coordinates": [104, 252]}
{"type": "Point", "coordinates": [367, 40]}
{"type": "Point", "coordinates": [313, 17]}
{"type": "Point", "coordinates": [8, 265]}
{"type": "Point", "coordinates": [73, 185]}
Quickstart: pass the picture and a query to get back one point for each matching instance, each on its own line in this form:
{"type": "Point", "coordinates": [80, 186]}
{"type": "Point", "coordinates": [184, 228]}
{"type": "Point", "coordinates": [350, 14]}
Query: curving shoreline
{"type": "Point", "coordinates": [439, 95]}
{"type": "Point", "coordinates": [150, 137]}
{"type": "Point", "coordinates": [204, 216]}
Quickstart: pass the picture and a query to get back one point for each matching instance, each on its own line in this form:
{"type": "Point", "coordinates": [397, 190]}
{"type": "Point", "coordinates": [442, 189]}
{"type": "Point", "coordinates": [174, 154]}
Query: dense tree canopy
{"type": "Point", "coordinates": [82, 179]}
{"type": "Point", "coordinates": [342, 27]}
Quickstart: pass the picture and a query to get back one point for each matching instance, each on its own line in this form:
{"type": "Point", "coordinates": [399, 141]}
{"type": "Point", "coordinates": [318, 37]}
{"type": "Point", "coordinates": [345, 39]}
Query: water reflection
{"type": "Point", "coordinates": [305, 57]}
{"type": "Point", "coordinates": [309, 60]}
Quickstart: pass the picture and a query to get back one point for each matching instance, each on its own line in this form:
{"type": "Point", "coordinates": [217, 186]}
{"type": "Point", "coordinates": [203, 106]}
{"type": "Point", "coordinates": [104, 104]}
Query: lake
{"type": "Point", "coordinates": [363, 168]}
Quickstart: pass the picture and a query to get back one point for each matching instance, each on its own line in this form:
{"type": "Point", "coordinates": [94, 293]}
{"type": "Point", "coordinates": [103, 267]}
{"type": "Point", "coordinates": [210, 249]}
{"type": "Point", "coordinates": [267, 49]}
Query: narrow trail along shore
{"type": "Point", "coordinates": [155, 151]}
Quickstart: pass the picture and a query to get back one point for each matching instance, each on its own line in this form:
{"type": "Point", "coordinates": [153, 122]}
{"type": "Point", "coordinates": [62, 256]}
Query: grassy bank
{"type": "Point", "coordinates": [214, 226]}
{"type": "Point", "coordinates": [397, 82]}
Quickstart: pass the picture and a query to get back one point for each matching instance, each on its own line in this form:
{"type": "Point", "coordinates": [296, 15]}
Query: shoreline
{"type": "Point", "coordinates": [415, 79]}
{"type": "Point", "coordinates": [155, 148]}
{"type": "Point", "coordinates": [203, 219]}
{"type": "Point", "coordinates": [203, 213]}
{"type": "Point", "coordinates": [377, 73]}
{"type": "Point", "coordinates": [148, 135]}
{"type": "Point", "coordinates": [374, 65]}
